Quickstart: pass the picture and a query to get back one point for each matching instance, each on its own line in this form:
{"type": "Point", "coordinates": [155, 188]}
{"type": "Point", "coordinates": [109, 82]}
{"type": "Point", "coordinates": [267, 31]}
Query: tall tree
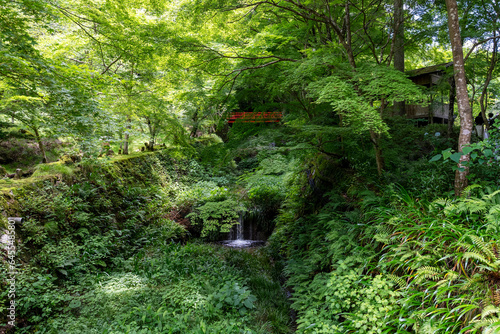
{"type": "Point", "coordinates": [464, 109]}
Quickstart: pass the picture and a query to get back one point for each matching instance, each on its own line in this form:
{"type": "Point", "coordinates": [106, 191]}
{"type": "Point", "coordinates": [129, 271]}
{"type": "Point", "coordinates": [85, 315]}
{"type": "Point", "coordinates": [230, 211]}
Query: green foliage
{"type": "Point", "coordinates": [215, 218]}
{"type": "Point", "coordinates": [200, 193]}
{"type": "Point", "coordinates": [168, 289]}
{"type": "Point", "coordinates": [102, 259]}
{"type": "Point", "coordinates": [265, 192]}
{"type": "Point", "coordinates": [97, 242]}
{"type": "Point", "coordinates": [483, 158]}
{"type": "Point", "coordinates": [392, 264]}
{"type": "Point", "coordinates": [231, 297]}
{"type": "Point", "coordinates": [71, 229]}
{"type": "Point", "coordinates": [344, 301]}
{"type": "Point", "coordinates": [55, 168]}
{"type": "Point", "coordinates": [265, 187]}
{"type": "Point", "coordinates": [444, 253]}
{"type": "Point", "coordinates": [353, 93]}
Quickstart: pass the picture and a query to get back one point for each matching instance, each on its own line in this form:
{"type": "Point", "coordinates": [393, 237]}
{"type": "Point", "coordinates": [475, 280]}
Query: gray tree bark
{"type": "Point", "coordinates": [463, 106]}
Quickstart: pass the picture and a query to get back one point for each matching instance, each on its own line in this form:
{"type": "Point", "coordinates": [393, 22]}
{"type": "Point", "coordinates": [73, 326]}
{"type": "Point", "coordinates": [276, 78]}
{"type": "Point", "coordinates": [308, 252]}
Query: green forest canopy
{"type": "Point", "coordinates": [128, 71]}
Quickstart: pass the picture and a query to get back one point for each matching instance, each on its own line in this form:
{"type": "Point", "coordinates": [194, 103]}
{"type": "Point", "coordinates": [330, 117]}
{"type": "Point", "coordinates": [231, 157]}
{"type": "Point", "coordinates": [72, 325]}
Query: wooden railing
{"type": "Point", "coordinates": [255, 117]}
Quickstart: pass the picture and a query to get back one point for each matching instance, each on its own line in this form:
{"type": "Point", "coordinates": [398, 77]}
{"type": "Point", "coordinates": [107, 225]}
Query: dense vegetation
{"type": "Point", "coordinates": [115, 148]}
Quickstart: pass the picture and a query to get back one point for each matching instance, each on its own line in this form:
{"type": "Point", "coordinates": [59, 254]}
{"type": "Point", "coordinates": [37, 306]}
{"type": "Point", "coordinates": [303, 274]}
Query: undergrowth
{"type": "Point", "coordinates": [396, 264]}
{"type": "Point", "coordinates": [102, 255]}
{"type": "Point", "coordinates": [165, 288]}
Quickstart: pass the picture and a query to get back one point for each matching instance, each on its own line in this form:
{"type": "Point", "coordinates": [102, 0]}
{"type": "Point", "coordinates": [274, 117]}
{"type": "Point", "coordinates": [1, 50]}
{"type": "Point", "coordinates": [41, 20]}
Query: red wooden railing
{"type": "Point", "coordinates": [255, 117]}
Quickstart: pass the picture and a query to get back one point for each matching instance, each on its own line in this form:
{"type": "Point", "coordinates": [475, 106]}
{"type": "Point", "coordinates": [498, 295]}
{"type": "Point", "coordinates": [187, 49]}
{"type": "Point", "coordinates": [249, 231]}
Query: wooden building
{"type": "Point", "coordinates": [437, 111]}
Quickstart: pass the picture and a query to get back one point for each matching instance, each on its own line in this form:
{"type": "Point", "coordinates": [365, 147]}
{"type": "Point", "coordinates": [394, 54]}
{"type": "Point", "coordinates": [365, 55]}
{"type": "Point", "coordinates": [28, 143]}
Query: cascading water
{"type": "Point", "coordinates": [238, 233]}
{"type": "Point", "coordinates": [239, 229]}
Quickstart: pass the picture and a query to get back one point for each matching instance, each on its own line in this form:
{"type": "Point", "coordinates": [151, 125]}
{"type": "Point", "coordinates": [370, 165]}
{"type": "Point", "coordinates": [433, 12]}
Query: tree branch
{"type": "Point", "coordinates": [111, 64]}
{"type": "Point", "coordinates": [477, 44]}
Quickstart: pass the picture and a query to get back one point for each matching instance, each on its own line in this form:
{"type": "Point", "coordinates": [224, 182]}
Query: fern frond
{"type": "Point", "coordinates": [496, 297]}
{"type": "Point", "coordinates": [450, 276]}
{"type": "Point", "coordinates": [483, 247]}
{"type": "Point", "coordinates": [476, 256]}
{"type": "Point", "coordinates": [490, 309]}
{"type": "Point", "coordinates": [443, 202]}
{"type": "Point", "coordinates": [494, 329]}
{"type": "Point", "coordinates": [451, 208]}
{"type": "Point", "coordinates": [495, 209]}
{"type": "Point", "coordinates": [397, 280]}
{"type": "Point", "coordinates": [490, 196]}
{"type": "Point", "coordinates": [428, 272]}
{"type": "Point", "coordinates": [470, 281]}
{"type": "Point", "coordinates": [467, 191]}
{"type": "Point", "coordinates": [473, 205]}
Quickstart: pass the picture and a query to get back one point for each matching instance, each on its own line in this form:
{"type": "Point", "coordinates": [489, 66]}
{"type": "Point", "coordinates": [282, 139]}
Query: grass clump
{"type": "Point", "coordinates": [55, 168]}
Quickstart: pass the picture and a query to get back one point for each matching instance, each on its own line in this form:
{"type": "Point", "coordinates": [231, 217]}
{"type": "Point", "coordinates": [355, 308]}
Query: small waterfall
{"type": "Point", "coordinates": [240, 228]}
{"type": "Point", "coordinates": [238, 234]}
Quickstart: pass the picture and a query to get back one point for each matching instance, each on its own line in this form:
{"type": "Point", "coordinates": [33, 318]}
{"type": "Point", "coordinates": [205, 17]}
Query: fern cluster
{"type": "Point", "coordinates": [445, 261]}
{"type": "Point", "coordinates": [396, 264]}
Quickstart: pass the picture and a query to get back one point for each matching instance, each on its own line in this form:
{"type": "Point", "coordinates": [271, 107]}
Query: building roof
{"type": "Point", "coordinates": [429, 69]}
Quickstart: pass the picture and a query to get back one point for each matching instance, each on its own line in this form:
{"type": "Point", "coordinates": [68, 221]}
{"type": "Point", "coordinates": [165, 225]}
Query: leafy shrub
{"type": "Point", "coordinates": [265, 189]}
{"type": "Point", "coordinates": [55, 168]}
{"type": "Point", "coordinates": [344, 301]}
{"type": "Point", "coordinates": [233, 297]}
{"type": "Point", "coordinates": [422, 178]}
{"type": "Point", "coordinates": [200, 193]}
{"type": "Point", "coordinates": [265, 192]}
{"type": "Point", "coordinates": [215, 218]}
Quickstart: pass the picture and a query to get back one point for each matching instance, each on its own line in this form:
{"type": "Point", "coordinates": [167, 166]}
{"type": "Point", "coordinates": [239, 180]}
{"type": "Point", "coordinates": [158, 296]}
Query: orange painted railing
{"type": "Point", "coordinates": [255, 117]}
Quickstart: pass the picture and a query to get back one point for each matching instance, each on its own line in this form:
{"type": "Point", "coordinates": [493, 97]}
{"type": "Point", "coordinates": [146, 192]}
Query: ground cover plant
{"type": "Point", "coordinates": [165, 288]}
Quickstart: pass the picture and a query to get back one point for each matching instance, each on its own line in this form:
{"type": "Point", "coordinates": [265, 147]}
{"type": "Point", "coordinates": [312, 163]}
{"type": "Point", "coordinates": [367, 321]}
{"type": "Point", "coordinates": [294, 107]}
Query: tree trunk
{"type": "Point", "coordinates": [126, 137]}
{"type": "Point", "coordinates": [40, 144]}
{"type": "Point", "coordinates": [399, 50]}
{"type": "Point", "coordinates": [375, 138]}
{"type": "Point", "coordinates": [194, 130]}
{"type": "Point", "coordinates": [376, 141]}
{"type": "Point", "coordinates": [348, 40]}
{"type": "Point", "coordinates": [125, 143]}
{"type": "Point", "coordinates": [152, 133]}
{"type": "Point", "coordinates": [464, 109]}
